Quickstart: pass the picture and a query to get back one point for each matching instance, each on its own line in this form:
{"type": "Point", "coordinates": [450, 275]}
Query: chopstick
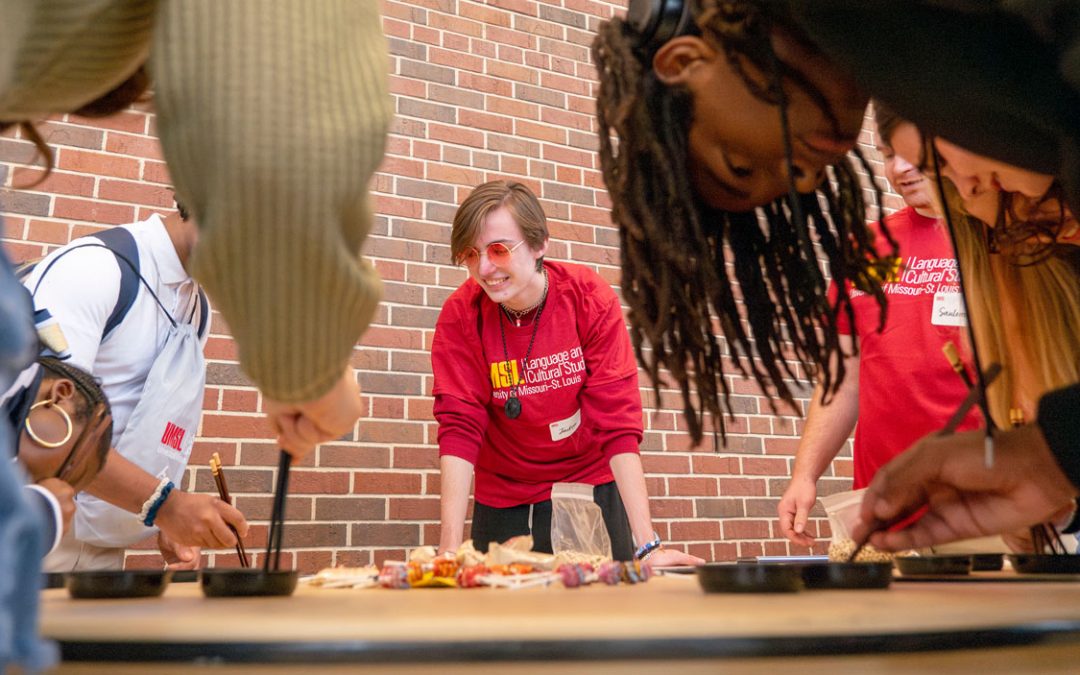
{"type": "Point", "coordinates": [973, 397]}
{"type": "Point", "coordinates": [277, 514]}
{"type": "Point", "coordinates": [223, 492]}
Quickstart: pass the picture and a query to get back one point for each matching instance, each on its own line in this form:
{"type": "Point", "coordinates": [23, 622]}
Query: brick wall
{"type": "Point", "coordinates": [481, 91]}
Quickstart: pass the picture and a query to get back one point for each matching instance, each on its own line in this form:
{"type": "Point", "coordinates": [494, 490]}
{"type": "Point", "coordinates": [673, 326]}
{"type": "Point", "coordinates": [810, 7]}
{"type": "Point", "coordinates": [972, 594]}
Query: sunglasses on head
{"type": "Point", "coordinates": [497, 252]}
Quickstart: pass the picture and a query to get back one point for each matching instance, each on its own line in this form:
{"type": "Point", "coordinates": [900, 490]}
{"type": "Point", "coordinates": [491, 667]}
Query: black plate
{"type": "Point", "coordinates": [117, 583]}
{"type": "Point", "coordinates": [240, 582]}
{"type": "Point", "coordinates": [987, 562]}
{"type": "Point", "coordinates": [52, 580]}
{"type": "Point", "coordinates": [934, 564]}
{"type": "Point", "coordinates": [1029, 563]}
{"type": "Point", "coordinates": [838, 575]}
{"type": "Point", "coordinates": [743, 578]}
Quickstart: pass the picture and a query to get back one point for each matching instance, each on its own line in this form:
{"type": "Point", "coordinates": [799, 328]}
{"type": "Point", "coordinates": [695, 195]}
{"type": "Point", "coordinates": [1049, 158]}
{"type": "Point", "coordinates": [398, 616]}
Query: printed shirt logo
{"type": "Point", "coordinates": [918, 276]}
{"type": "Point", "coordinates": [173, 436]}
{"type": "Point", "coordinates": [539, 375]}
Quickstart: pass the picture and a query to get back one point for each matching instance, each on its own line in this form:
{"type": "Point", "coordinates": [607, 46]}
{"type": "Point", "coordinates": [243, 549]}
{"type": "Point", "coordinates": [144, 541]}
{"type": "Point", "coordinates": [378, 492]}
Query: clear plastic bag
{"type": "Point", "coordinates": [842, 509]}
{"type": "Point", "coordinates": [577, 524]}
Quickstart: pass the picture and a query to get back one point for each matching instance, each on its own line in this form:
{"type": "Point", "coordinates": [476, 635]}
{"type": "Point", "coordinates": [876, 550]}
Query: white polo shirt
{"type": "Point", "coordinates": [80, 291]}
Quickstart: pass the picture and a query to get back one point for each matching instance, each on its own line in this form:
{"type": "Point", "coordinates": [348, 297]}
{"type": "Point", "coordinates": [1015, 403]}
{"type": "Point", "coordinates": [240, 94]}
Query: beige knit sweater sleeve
{"type": "Point", "coordinates": [272, 117]}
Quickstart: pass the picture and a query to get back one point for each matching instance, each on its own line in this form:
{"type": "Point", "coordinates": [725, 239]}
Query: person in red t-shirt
{"type": "Point", "coordinates": [535, 384]}
{"type": "Point", "coordinates": [900, 387]}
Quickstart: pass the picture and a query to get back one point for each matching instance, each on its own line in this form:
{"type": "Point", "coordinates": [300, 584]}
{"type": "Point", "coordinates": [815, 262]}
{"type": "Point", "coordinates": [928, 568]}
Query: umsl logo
{"type": "Point", "coordinates": [173, 436]}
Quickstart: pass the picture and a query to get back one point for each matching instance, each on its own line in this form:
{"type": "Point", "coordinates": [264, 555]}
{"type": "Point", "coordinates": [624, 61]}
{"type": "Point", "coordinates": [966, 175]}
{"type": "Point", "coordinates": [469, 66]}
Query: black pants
{"type": "Point", "coordinates": [492, 524]}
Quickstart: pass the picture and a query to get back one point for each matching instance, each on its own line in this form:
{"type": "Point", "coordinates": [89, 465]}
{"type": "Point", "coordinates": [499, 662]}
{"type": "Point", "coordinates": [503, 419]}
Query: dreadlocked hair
{"type": "Point", "coordinates": [679, 256]}
{"type": "Point", "coordinates": [85, 383]}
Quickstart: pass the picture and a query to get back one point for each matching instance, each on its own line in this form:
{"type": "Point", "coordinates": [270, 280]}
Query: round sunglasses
{"type": "Point", "coordinates": [497, 252]}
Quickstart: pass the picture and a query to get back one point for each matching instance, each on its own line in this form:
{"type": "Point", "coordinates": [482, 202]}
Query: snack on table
{"type": "Point", "coordinates": [345, 577]}
{"type": "Point", "coordinates": [575, 558]}
{"type": "Point", "coordinates": [394, 575]}
{"type": "Point", "coordinates": [841, 549]}
{"type": "Point", "coordinates": [422, 554]}
{"type": "Point", "coordinates": [518, 550]}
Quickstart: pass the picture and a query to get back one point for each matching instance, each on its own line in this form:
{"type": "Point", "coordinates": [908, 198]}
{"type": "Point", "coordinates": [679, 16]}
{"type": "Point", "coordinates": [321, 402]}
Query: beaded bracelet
{"type": "Point", "coordinates": [153, 504]}
{"type": "Point", "coordinates": [648, 547]}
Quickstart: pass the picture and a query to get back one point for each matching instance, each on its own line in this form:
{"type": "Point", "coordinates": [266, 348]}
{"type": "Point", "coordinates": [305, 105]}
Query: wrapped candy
{"type": "Point", "coordinates": [469, 577]}
{"type": "Point", "coordinates": [394, 576]}
{"type": "Point", "coordinates": [573, 576]}
{"type": "Point", "coordinates": [611, 572]}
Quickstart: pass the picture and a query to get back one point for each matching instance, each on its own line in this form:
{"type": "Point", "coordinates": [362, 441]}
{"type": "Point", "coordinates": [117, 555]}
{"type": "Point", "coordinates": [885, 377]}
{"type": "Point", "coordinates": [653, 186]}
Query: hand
{"type": "Point", "coordinates": [65, 496]}
{"type": "Point", "coordinates": [177, 556]}
{"type": "Point", "coordinates": [1019, 541]}
{"type": "Point", "coordinates": [794, 510]}
{"type": "Point", "coordinates": [200, 520]}
{"type": "Point", "coordinates": [670, 557]}
{"type": "Point", "coordinates": [302, 426]}
{"type": "Point", "coordinates": [963, 498]}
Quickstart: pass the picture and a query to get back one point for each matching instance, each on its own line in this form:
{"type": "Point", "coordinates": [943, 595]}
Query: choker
{"type": "Point", "coordinates": [516, 315]}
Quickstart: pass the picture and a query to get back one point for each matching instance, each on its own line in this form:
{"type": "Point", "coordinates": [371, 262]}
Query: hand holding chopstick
{"type": "Point", "coordinates": [223, 492]}
{"type": "Point", "coordinates": [973, 397]}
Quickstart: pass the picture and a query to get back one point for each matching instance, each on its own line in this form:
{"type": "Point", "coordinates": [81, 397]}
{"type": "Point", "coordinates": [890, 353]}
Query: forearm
{"type": "Point", "coordinates": [630, 479]}
{"type": "Point", "coordinates": [123, 484]}
{"type": "Point", "coordinates": [826, 429]}
{"type": "Point", "coordinates": [456, 480]}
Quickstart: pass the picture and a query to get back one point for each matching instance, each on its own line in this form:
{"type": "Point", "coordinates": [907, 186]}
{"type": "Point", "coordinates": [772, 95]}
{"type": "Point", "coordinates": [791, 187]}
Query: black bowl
{"type": "Point", "coordinates": [987, 562]}
{"type": "Point", "coordinates": [1030, 563]}
{"type": "Point", "coordinates": [917, 565]}
{"type": "Point", "coordinates": [839, 575]}
{"type": "Point", "coordinates": [117, 583]}
{"type": "Point", "coordinates": [743, 578]}
{"type": "Point", "coordinates": [244, 582]}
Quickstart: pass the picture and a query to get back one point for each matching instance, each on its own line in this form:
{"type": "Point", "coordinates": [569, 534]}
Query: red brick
{"type": "Point", "coordinates": [139, 193]}
{"type": "Point", "coordinates": [58, 182]}
{"type": "Point", "coordinates": [94, 211]}
{"type": "Point", "coordinates": [99, 163]}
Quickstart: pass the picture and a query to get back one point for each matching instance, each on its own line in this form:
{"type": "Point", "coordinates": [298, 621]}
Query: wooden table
{"type": "Point", "coordinates": [601, 627]}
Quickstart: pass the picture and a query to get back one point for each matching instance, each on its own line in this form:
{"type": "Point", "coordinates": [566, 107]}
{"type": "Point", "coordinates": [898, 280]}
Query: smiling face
{"type": "Point", "coordinates": [516, 284]}
{"type": "Point", "coordinates": [736, 145]}
{"type": "Point", "coordinates": [906, 178]}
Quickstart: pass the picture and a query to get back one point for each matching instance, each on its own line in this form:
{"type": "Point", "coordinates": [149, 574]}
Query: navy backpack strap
{"type": "Point", "coordinates": [120, 241]}
{"type": "Point", "coordinates": [204, 313]}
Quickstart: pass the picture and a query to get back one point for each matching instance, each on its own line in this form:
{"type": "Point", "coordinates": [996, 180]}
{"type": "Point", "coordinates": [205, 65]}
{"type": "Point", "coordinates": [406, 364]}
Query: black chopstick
{"type": "Point", "coordinates": [277, 514]}
{"type": "Point", "coordinates": [223, 492]}
{"type": "Point", "coordinates": [974, 396]}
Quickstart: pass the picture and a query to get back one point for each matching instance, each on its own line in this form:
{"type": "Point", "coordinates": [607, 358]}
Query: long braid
{"type": "Point", "coordinates": [676, 252]}
{"type": "Point", "coordinates": [85, 383]}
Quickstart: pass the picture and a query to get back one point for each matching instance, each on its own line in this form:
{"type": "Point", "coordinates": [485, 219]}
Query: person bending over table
{"type": "Point", "coordinates": [900, 386]}
{"type": "Point", "coordinates": [64, 425]}
{"type": "Point", "coordinates": [721, 107]}
{"type": "Point", "coordinates": [283, 214]}
{"type": "Point", "coordinates": [535, 384]}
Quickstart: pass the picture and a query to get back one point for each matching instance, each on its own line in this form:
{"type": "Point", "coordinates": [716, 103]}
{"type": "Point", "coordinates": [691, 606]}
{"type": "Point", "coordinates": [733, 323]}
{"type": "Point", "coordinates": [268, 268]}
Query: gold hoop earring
{"type": "Point", "coordinates": [50, 444]}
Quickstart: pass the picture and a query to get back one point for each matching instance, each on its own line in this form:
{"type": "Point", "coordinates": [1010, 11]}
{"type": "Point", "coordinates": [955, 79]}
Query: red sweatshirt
{"type": "Point", "coordinates": [907, 389]}
{"type": "Point", "coordinates": [580, 403]}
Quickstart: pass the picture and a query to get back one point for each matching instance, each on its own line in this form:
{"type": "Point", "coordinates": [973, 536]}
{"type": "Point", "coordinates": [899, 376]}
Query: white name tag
{"type": "Point", "coordinates": [565, 428]}
{"type": "Point", "coordinates": [948, 310]}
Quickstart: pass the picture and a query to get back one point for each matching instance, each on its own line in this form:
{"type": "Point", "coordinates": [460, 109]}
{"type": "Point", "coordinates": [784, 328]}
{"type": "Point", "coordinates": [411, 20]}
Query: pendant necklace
{"type": "Point", "coordinates": [513, 403]}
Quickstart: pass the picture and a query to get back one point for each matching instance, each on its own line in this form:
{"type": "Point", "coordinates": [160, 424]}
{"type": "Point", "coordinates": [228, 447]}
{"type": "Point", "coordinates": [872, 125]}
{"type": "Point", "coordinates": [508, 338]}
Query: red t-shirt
{"type": "Point", "coordinates": [580, 403]}
{"type": "Point", "coordinates": [907, 389]}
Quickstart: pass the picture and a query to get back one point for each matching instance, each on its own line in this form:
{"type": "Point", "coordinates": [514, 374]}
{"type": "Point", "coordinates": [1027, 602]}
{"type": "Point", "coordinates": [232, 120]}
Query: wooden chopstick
{"type": "Point", "coordinates": [223, 492]}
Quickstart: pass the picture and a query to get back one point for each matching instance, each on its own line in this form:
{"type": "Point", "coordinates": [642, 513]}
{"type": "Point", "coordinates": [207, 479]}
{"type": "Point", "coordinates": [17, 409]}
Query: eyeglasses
{"type": "Point", "coordinates": [81, 465]}
{"type": "Point", "coordinates": [497, 252]}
